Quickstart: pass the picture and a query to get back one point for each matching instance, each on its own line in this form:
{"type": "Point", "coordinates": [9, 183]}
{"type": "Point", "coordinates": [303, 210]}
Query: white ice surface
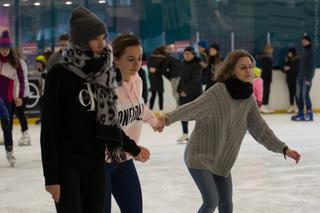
{"type": "Point", "coordinates": [263, 181]}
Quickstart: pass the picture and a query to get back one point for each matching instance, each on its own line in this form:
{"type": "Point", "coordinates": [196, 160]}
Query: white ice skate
{"type": "Point", "coordinates": [11, 158]}
{"type": "Point", "coordinates": [183, 139]}
{"type": "Point", "coordinates": [291, 109]}
{"type": "Point", "coordinates": [266, 110]}
{"type": "Point", "coordinates": [25, 139]}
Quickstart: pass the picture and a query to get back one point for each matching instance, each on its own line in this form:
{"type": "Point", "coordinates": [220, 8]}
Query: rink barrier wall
{"type": "Point", "coordinates": [279, 95]}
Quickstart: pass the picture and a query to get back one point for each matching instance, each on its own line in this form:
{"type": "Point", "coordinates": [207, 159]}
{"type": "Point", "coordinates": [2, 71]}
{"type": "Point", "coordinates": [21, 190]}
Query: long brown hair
{"type": "Point", "coordinates": [121, 42]}
{"type": "Point", "coordinates": [13, 59]}
{"type": "Point", "coordinates": [225, 70]}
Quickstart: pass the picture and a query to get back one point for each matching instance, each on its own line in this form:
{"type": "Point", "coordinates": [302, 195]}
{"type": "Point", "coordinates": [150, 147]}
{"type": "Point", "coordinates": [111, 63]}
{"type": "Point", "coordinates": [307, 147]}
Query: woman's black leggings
{"type": "Point", "coordinates": [153, 96]}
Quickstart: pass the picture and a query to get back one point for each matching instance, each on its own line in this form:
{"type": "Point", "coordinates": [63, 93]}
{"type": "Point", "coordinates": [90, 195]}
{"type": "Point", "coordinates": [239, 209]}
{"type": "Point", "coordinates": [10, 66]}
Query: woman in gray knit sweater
{"type": "Point", "coordinates": [223, 114]}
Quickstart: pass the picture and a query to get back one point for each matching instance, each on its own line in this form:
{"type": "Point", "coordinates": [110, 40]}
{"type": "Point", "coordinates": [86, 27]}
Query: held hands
{"type": "Point", "coordinates": [144, 155]}
{"type": "Point", "coordinates": [161, 124]}
{"type": "Point", "coordinates": [54, 190]}
{"type": "Point", "coordinates": [293, 154]}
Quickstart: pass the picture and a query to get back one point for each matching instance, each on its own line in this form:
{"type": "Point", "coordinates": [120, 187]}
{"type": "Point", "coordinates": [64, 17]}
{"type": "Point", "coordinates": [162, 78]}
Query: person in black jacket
{"type": "Point", "coordinates": [172, 69]}
{"type": "Point", "coordinates": [156, 66]}
{"type": "Point", "coordinates": [213, 60]}
{"type": "Point", "coordinates": [143, 76]}
{"type": "Point", "coordinates": [291, 68]}
{"type": "Point", "coordinates": [304, 81]}
{"type": "Point", "coordinates": [266, 75]}
{"type": "Point", "coordinates": [190, 85]}
{"type": "Point", "coordinates": [79, 120]}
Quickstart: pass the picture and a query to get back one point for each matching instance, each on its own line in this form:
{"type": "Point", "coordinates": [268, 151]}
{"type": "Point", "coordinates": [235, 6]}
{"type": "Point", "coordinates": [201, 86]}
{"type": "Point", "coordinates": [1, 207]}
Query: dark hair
{"type": "Point", "coordinates": [293, 51]}
{"type": "Point", "coordinates": [225, 70]}
{"type": "Point", "coordinates": [64, 37]}
{"type": "Point", "coordinates": [217, 57]}
{"type": "Point", "coordinates": [189, 49]}
{"type": "Point", "coordinates": [121, 42]}
{"type": "Point", "coordinates": [13, 58]}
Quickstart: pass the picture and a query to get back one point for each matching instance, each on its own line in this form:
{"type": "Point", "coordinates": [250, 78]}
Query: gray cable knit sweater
{"type": "Point", "coordinates": [221, 124]}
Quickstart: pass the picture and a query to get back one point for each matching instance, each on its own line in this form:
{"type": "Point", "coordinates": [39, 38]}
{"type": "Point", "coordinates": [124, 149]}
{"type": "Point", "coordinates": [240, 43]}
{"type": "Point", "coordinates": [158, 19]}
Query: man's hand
{"type": "Point", "coordinates": [54, 190]}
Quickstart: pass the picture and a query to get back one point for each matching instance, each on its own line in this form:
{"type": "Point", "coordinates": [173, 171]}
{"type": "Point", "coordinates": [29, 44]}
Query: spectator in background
{"type": "Point", "coordinates": [257, 86]}
{"type": "Point", "coordinates": [266, 63]}
{"type": "Point", "coordinates": [172, 69]}
{"type": "Point", "coordinates": [304, 81]}
{"type": "Point", "coordinates": [19, 110]}
{"type": "Point", "coordinates": [291, 69]}
{"type": "Point", "coordinates": [155, 66]}
{"type": "Point", "coordinates": [55, 57]}
{"type": "Point", "coordinates": [143, 75]}
{"type": "Point", "coordinates": [10, 71]}
{"type": "Point", "coordinates": [190, 86]}
{"type": "Point", "coordinates": [41, 67]}
{"type": "Point", "coordinates": [213, 60]}
{"type": "Point", "coordinates": [203, 55]}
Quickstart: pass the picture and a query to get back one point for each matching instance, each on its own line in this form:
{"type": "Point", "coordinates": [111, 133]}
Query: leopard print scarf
{"type": "Point", "coordinates": [99, 71]}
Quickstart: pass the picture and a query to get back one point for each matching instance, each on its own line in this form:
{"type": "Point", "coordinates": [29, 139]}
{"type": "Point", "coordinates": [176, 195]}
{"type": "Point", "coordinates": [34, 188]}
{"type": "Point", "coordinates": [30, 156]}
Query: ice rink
{"type": "Point", "coordinates": [263, 181]}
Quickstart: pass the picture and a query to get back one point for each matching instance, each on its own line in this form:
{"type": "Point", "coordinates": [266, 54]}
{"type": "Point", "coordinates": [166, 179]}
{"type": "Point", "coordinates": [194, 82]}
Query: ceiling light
{"type": "Point", "coordinates": [102, 1]}
{"type": "Point", "coordinates": [36, 4]}
{"type": "Point", "coordinates": [6, 5]}
{"type": "Point", "coordinates": [68, 2]}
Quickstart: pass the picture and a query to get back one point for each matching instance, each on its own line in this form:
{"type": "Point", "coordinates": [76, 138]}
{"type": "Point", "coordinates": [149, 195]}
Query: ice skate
{"type": "Point", "coordinates": [11, 159]}
{"type": "Point", "coordinates": [182, 139]}
{"type": "Point", "coordinates": [25, 139]}
{"type": "Point", "coordinates": [265, 109]}
{"type": "Point", "coordinates": [298, 117]}
{"type": "Point", "coordinates": [291, 109]}
{"type": "Point", "coordinates": [309, 116]}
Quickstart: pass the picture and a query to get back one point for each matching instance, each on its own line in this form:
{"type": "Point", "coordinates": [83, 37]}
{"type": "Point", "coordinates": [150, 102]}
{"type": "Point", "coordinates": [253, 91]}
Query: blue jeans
{"type": "Point", "coordinates": [303, 96]}
{"type": "Point", "coordinates": [7, 131]}
{"type": "Point", "coordinates": [215, 191]}
{"type": "Point", "coordinates": [123, 183]}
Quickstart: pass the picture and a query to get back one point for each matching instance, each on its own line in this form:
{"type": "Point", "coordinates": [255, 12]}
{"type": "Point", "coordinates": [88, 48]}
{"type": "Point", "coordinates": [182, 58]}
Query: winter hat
{"type": "Point", "coordinates": [257, 72]}
{"type": "Point", "coordinates": [189, 49]}
{"type": "Point", "coordinates": [204, 44]}
{"type": "Point", "coordinates": [293, 51]}
{"type": "Point", "coordinates": [41, 59]}
{"type": "Point", "coordinates": [5, 40]}
{"type": "Point", "coordinates": [307, 37]}
{"type": "Point", "coordinates": [85, 26]}
{"type": "Point", "coordinates": [215, 46]}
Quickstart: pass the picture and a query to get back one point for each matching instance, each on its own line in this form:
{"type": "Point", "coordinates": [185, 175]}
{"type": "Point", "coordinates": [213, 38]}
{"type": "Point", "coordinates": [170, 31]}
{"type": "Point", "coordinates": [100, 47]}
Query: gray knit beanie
{"type": "Point", "coordinates": [85, 26]}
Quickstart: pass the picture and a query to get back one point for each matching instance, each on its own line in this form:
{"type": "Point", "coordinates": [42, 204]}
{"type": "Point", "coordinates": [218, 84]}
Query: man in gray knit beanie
{"type": "Point", "coordinates": [85, 26]}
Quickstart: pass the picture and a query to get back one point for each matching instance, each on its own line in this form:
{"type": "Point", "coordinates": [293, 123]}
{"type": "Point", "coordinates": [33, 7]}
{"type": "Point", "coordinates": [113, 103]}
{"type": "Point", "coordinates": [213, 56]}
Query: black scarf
{"type": "Point", "coordinates": [238, 89]}
{"type": "Point", "coordinates": [99, 71]}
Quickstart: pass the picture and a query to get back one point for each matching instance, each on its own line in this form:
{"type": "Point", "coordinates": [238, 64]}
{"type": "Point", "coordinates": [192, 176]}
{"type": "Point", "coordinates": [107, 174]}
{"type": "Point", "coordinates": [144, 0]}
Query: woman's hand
{"type": "Point", "coordinates": [144, 155]}
{"type": "Point", "coordinates": [293, 154]}
{"type": "Point", "coordinates": [54, 190]}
